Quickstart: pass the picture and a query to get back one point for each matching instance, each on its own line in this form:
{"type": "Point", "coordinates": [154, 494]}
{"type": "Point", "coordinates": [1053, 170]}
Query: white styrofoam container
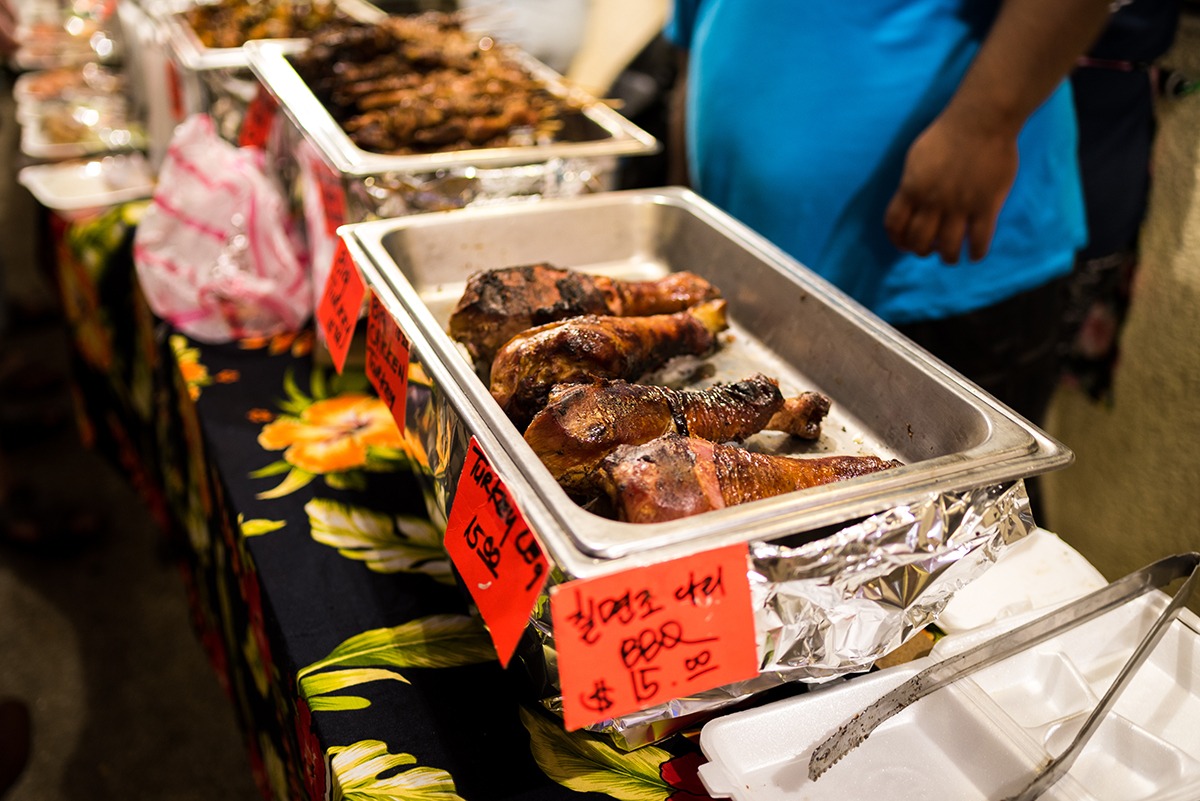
{"type": "Point", "coordinates": [1037, 572]}
{"type": "Point", "coordinates": [985, 736]}
{"type": "Point", "coordinates": [78, 187]}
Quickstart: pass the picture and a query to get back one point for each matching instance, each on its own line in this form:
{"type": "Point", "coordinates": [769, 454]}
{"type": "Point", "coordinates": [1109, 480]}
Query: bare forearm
{"type": "Point", "coordinates": [1031, 47]}
{"type": "Point", "coordinates": [960, 169]}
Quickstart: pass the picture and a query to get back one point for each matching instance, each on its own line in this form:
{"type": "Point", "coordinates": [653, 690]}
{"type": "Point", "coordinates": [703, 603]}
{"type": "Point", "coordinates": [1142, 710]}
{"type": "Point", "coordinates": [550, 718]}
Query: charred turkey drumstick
{"type": "Point", "coordinates": [592, 346]}
{"type": "Point", "coordinates": [499, 304]}
{"type": "Point", "coordinates": [583, 423]}
{"type": "Point", "coordinates": [673, 476]}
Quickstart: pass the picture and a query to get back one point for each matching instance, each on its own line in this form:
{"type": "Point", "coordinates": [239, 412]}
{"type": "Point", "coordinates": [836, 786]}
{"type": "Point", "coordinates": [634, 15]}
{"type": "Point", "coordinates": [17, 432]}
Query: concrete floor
{"type": "Point", "coordinates": [95, 637]}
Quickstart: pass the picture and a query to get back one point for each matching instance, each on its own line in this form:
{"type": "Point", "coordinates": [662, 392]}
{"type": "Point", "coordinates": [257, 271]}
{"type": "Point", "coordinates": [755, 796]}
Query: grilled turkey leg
{"type": "Point", "coordinates": [592, 346]}
{"type": "Point", "coordinates": [673, 476]}
{"type": "Point", "coordinates": [583, 423]}
{"type": "Point", "coordinates": [499, 304]}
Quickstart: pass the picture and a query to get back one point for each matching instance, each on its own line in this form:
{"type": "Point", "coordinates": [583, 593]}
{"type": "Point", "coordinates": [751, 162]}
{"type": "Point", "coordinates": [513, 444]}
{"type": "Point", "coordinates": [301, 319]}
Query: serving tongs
{"type": "Point", "coordinates": [1154, 576]}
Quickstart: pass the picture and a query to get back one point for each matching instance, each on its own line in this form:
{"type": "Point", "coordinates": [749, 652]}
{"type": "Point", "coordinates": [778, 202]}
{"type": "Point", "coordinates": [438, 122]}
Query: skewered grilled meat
{"type": "Point", "coordinates": [423, 84]}
{"type": "Point", "coordinates": [594, 346]}
{"type": "Point", "coordinates": [673, 476]}
{"type": "Point", "coordinates": [583, 423]}
{"type": "Point", "coordinates": [499, 304]}
{"type": "Point", "coordinates": [231, 23]}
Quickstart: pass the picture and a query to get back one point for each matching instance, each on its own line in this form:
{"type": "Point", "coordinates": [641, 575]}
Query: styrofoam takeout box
{"type": "Point", "coordinates": [78, 187]}
{"type": "Point", "coordinates": [1035, 573]}
{"type": "Point", "coordinates": [985, 736]}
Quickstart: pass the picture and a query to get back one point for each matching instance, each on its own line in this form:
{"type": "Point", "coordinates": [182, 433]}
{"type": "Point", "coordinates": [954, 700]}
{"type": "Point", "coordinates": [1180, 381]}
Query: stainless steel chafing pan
{"type": "Point", "coordinates": [604, 135]}
{"type": "Point", "coordinates": [196, 56]}
{"type": "Point", "coordinates": [217, 80]}
{"type": "Point", "coordinates": [890, 398]}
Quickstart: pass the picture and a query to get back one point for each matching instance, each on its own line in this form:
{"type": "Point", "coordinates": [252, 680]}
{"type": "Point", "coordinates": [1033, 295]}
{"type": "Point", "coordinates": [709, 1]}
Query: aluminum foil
{"type": "Point", "coordinates": [397, 194]}
{"type": "Point", "coordinates": [833, 606]}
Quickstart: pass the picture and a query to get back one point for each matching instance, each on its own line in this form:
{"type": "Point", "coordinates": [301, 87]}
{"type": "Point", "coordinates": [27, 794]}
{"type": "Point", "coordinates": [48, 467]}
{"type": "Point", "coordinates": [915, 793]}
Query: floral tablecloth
{"type": "Point", "coordinates": [319, 587]}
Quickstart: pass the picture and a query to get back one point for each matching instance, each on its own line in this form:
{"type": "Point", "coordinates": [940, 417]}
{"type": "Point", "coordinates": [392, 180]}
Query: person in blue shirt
{"type": "Point", "coordinates": [918, 154]}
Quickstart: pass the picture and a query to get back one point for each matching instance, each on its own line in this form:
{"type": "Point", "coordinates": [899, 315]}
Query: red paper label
{"type": "Point", "coordinates": [498, 557]}
{"type": "Point", "coordinates": [337, 313]}
{"type": "Point", "coordinates": [175, 91]}
{"type": "Point", "coordinates": [256, 125]}
{"type": "Point", "coordinates": [387, 359]}
{"type": "Point", "coordinates": [652, 634]}
{"type": "Point", "coordinates": [333, 196]}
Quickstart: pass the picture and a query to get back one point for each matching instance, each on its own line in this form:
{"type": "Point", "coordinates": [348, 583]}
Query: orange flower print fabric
{"type": "Point", "coordinates": [333, 435]}
{"type": "Point", "coordinates": [194, 372]}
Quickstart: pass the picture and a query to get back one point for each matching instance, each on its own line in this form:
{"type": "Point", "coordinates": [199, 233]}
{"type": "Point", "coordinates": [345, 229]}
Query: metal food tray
{"type": "Point", "coordinates": [196, 56]}
{"type": "Point", "coordinates": [607, 134]}
{"type": "Point", "coordinates": [890, 397]}
{"type": "Point", "coordinates": [217, 80]}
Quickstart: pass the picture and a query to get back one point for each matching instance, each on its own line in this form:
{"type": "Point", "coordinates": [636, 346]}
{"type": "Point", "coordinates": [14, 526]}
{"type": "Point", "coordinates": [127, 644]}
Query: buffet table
{"type": "Point", "coordinates": [318, 586]}
{"type": "Point", "coordinates": [356, 668]}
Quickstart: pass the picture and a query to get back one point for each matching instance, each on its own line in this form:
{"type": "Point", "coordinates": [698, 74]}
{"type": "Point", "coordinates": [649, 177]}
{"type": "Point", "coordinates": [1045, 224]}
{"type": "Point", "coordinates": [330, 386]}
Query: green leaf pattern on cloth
{"type": "Point", "coordinates": [294, 481]}
{"type": "Point", "coordinates": [429, 642]}
{"type": "Point", "coordinates": [385, 543]}
{"type": "Point", "coordinates": [256, 528]}
{"type": "Point", "coordinates": [585, 764]}
{"type": "Point", "coordinates": [334, 680]}
{"type": "Point", "coordinates": [366, 771]}
{"type": "Point", "coordinates": [338, 703]}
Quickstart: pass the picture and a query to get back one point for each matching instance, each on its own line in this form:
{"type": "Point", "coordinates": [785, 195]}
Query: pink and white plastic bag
{"type": "Point", "coordinates": [212, 251]}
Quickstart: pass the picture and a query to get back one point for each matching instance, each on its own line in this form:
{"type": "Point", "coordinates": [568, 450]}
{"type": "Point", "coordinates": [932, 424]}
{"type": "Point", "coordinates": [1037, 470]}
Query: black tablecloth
{"type": "Point", "coordinates": [319, 586]}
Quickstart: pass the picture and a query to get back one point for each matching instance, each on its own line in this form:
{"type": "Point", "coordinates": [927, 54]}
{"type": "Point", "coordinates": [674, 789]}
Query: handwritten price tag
{"type": "Point", "coordinates": [653, 634]}
{"type": "Point", "coordinates": [387, 359]}
{"type": "Point", "coordinates": [496, 554]}
{"type": "Point", "coordinates": [256, 125]}
{"type": "Point", "coordinates": [337, 313]}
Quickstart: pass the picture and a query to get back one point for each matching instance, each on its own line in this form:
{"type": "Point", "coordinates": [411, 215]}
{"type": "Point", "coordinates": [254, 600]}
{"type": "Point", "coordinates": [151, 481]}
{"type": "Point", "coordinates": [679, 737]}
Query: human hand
{"type": "Point", "coordinates": [956, 177]}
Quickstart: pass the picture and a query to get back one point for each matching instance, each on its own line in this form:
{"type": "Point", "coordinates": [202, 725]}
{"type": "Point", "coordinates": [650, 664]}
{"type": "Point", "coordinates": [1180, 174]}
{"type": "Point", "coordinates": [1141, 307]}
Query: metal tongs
{"type": "Point", "coordinates": [1154, 576]}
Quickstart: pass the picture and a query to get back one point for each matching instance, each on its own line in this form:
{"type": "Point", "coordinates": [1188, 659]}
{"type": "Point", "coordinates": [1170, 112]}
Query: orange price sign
{"type": "Point", "coordinates": [387, 359]}
{"type": "Point", "coordinates": [498, 557]}
{"type": "Point", "coordinates": [652, 634]}
{"type": "Point", "coordinates": [337, 313]}
{"type": "Point", "coordinates": [256, 124]}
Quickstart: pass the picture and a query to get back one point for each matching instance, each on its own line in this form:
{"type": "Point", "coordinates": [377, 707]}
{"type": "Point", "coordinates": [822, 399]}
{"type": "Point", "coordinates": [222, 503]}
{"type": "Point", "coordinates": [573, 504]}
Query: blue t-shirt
{"type": "Point", "coordinates": [799, 118]}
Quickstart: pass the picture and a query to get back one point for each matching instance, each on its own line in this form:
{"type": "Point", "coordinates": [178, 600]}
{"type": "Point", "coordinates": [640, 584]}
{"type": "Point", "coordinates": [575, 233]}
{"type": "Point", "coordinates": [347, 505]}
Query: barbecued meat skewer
{"type": "Point", "coordinates": [499, 304]}
{"type": "Point", "coordinates": [673, 476]}
{"type": "Point", "coordinates": [593, 346]}
{"type": "Point", "coordinates": [583, 423]}
{"type": "Point", "coordinates": [424, 84]}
